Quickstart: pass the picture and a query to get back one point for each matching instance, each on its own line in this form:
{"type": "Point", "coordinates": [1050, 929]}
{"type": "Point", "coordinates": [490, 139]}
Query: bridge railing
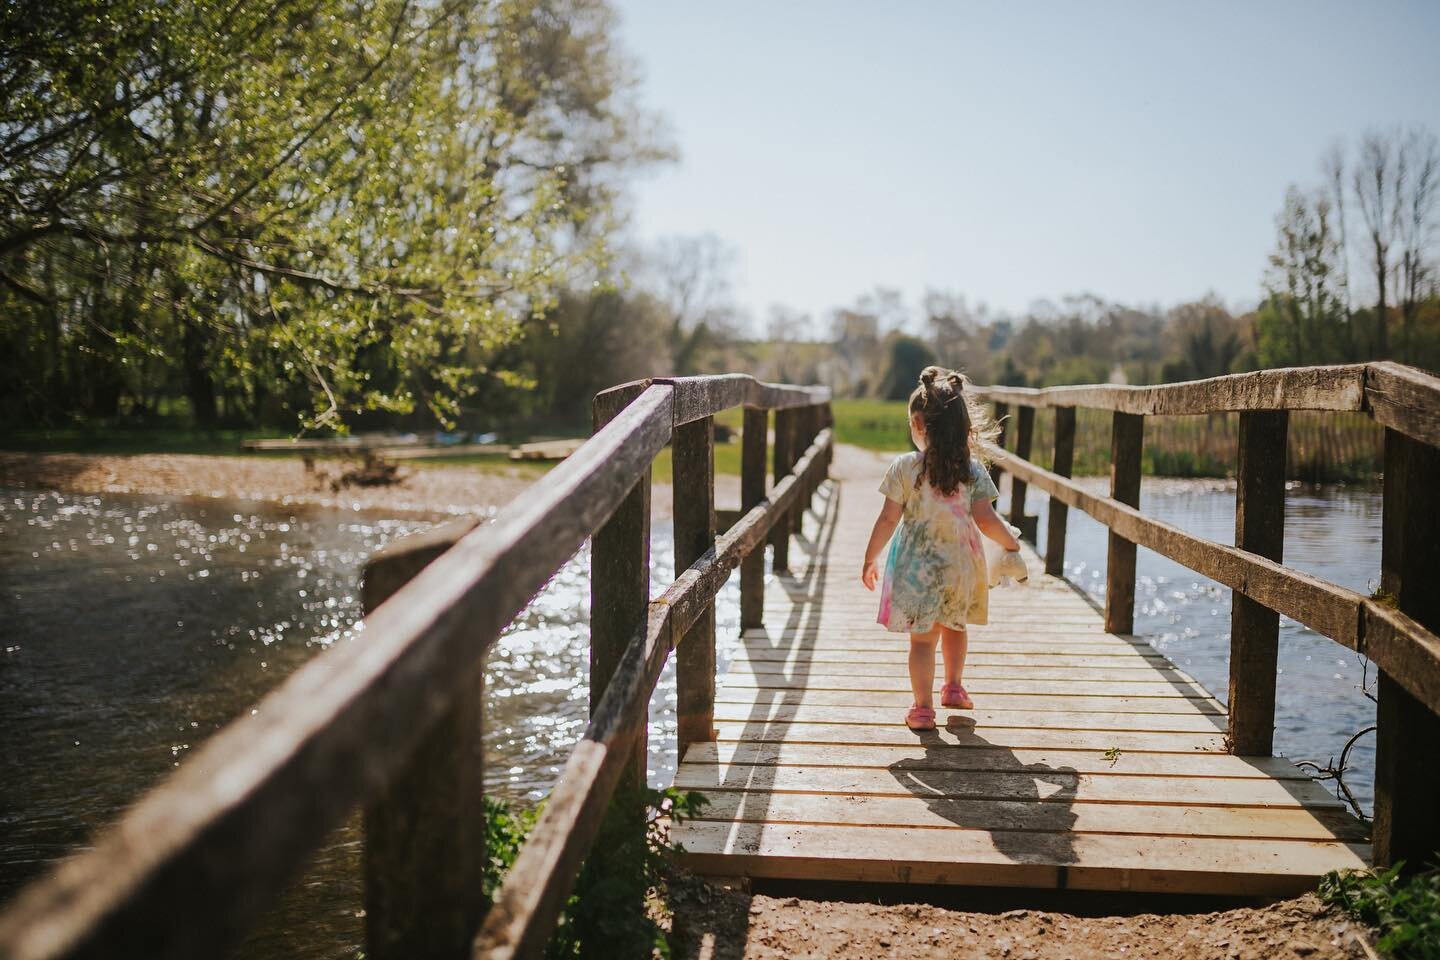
{"type": "Point", "coordinates": [393, 721]}
{"type": "Point", "coordinates": [1394, 627]}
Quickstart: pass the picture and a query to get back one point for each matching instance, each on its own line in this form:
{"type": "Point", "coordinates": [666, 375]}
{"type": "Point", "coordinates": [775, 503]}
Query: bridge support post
{"type": "Point", "coordinates": [1024, 432]}
{"type": "Point", "coordinates": [1064, 462]}
{"type": "Point", "coordinates": [1127, 437]}
{"type": "Point", "coordinates": [1254, 627]}
{"type": "Point", "coordinates": [619, 587]}
{"type": "Point", "coordinates": [1002, 410]}
{"type": "Point", "coordinates": [1407, 739]}
{"type": "Point", "coordinates": [693, 452]}
{"type": "Point", "coordinates": [754, 442]}
{"type": "Point", "coordinates": [424, 856]}
{"type": "Point", "coordinates": [784, 459]}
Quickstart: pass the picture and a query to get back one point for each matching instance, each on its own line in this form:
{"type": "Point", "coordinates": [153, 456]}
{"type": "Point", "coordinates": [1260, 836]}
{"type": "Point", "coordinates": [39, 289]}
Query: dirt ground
{"type": "Point", "coordinates": [724, 921]}
{"type": "Point", "coordinates": [436, 491]}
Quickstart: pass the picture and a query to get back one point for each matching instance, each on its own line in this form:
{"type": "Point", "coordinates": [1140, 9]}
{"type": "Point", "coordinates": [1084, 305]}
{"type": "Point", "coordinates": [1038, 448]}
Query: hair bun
{"type": "Point", "coordinates": [929, 375]}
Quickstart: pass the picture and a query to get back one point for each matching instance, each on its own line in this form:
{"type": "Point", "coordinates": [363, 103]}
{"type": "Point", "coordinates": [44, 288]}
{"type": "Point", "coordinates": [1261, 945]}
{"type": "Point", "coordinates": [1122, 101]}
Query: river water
{"type": "Point", "coordinates": [136, 626]}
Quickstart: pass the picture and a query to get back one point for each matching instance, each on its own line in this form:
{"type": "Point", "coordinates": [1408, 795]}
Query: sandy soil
{"type": "Point", "coordinates": [725, 922]}
{"type": "Point", "coordinates": [434, 491]}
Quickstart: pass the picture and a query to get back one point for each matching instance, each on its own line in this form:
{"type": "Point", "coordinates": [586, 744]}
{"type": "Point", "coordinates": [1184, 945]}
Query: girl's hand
{"type": "Point", "coordinates": [869, 574]}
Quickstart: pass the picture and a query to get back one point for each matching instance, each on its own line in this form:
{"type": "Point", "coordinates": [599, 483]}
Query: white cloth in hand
{"type": "Point", "coordinates": [1001, 563]}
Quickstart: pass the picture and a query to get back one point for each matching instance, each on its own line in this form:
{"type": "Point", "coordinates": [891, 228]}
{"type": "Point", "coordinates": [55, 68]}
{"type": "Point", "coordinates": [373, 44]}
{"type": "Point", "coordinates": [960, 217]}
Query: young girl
{"type": "Point", "coordinates": [935, 579]}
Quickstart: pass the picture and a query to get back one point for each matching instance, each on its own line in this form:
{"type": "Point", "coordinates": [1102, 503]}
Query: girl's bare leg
{"type": "Point", "coordinates": [922, 667]}
{"type": "Point", "coordinates": [953, 645]}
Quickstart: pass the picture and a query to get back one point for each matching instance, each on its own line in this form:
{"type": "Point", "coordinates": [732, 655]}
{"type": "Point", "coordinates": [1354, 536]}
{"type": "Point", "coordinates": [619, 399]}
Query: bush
{"type": "Point", "coordinates": [1406, 910]}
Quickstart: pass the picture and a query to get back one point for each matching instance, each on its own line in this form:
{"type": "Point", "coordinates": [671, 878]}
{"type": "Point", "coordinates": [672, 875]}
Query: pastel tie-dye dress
{"type": "Point", "coordinates": [935, 574]}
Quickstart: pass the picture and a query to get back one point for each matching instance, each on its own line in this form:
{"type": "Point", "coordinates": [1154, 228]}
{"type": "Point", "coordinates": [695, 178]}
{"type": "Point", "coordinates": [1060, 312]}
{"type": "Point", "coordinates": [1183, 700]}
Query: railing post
{"type": "Point", "coordinates": [813, 417]}
{"type": "Point", "coordinates": [424, 857]}
{"type": "Point", "coordinates": [1023, 434]}
{"type": "Point", "coordinates": [619, 586]}
{"type": "Point", "coordinates": [1064, 462]}
{"type": "Point", "coordinates": [1126, 441]}
{"type": "Point", "coordinates": [693, 456]}
{"type": "Point", "coordinates": [752, 491]}
{"type": "Point", "coordinates": [1255, 628]}
{"type": "Point", "coordinates": [783, 459]}
{"type": "Point", "coordinates": [1002, 410]}
{"type": "Point", "coordinates": [1407, 759]}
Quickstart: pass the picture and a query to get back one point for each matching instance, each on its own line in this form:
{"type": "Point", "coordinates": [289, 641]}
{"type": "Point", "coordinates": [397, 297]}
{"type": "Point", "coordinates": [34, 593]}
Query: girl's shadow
{"type": "Point", "coordinates": [1026, 808]}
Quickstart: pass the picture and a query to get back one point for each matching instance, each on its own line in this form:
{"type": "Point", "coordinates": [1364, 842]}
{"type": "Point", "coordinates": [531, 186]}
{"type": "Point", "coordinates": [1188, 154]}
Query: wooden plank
{"type": "Point", "coordinates": [693, 458]}
{"type": "Point", "coordinates": [225, 832]}
{"type": "Point", "coordinates": [1038, 784]}
{"type": "Point", "coordinates": [891, 699]}
{"type": "Point", "coordinates": [1031, 737]}
{"type": "Point", "coordinates": [1142, 673]}
{"type": "Point", "coordinates": [1255, 628]}
{"type": "Point", "coordinates": [423, 890]}
{"type": "Point", "coordinates": [980, 686]}
{"type": "Point", "coordinates": [752, 490]}
{"type": "Point", "coordinates": [1133, 659]}
{"type": "Point", "coordinates": [1341, 387]}
{"type": "Point", "coordinates": [1404, 399]}
{"type": "Point", "coordinates": [983, 717]}
{"type": "Point", "coordinates": [1126, 441]}
{"type": "Point", "coordinates": [1324, 607]}
{"type": "Point", "coordinates": [1063, 460]}
{"type": "Point", "coordinates": [1025, 431]}
{"type": "Point", "coordinates": [1070, 815]}
{"type": "Point", "coordinates": [945, 756]}
{"type": "Point", "coordinates": [1407, 747]}
{"type": "Point", "coordinates": [785, 436]}
{"type": "Point", "coordinates": [1019, 858]}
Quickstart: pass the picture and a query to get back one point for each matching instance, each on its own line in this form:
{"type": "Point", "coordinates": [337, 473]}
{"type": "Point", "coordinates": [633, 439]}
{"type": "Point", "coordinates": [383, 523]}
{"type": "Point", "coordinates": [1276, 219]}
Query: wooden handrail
{"type": "Point", "coordinates": [1396, 628]}
{"type": "Point", "coordinates": [191, 865]}
{"type": "Point", "coordinates": [1396, 396]}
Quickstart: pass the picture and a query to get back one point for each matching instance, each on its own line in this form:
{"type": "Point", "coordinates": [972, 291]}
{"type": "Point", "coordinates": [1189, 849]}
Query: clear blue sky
{"type": "Point", "coordinates": [1010, 151]}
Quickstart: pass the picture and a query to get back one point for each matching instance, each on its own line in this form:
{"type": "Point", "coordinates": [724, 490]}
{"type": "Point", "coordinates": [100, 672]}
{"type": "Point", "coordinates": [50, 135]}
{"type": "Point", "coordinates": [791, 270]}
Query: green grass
{"type": "Point", "coordinates": [1406, 910]}
{"type": "Point", "coordinates": [872, 424]}
{"type": "Point", "coordinates": [132, 440]}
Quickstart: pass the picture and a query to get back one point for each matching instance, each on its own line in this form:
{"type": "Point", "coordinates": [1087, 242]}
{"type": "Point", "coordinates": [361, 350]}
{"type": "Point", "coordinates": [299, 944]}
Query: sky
{"type": "Point", "coordinates": [1010, 152]}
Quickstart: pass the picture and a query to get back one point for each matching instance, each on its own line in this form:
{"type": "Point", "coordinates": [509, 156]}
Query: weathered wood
{"type": "Point", "coordinates": [1404, 399]}
{"type": "Point", "coordinates": [226, 831]}
{"type": "Point", "coordinates": [534, 891]}
{"type": "Point", "coordinates": [619, 589]}
{"type": "Point", "coordinates": [1328, 609]}
{"type": "Point", "coordinates": [425, 831]}
{"type": "Point", "coordinates": [1126, 441]}
{"type": "Point", "coordinates": [693, 456]}
{"type": "Point", "coordinates": [1002, 422]}
{"type": "Point", "coordinates": [1023, 433]}
{"type": "Point", "coordinates": [785, 437]}
{"type": "Point", "coordinates": [1407, 748]}
{"type": "Point", "coordinates": [1255, 628]}
{"type": "Point", "coordinates": [697, 397]}
{"type": "Point", "coordinates": [1340, 387]}
{"type": "Point", "coordinates": [1064, 461]}
{"type": "Point", "coordinates": [755, 441]}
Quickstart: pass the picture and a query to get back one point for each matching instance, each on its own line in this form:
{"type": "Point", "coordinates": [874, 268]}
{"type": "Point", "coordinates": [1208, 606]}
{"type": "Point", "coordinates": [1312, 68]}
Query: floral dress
{"type": "Point", "coordinates": [935, 575]}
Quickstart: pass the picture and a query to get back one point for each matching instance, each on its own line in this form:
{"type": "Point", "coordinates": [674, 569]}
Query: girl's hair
{"type": "Point", "coordinates": [952, 424]}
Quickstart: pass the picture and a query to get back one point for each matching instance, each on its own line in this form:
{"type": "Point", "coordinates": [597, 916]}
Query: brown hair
{"type": "Point", "coordinates": [952, 422]}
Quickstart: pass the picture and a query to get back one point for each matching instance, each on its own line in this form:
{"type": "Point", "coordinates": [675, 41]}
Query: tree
{"type": "Point", "coordinates": [1303, 317]}
{"type": "Point", "coordinates": [907, 357]}
{"type": "Point", "coordinates": [370, 199]}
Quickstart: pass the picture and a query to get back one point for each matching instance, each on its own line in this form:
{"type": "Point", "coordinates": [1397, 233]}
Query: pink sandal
{"type": "Point", "coordinates": [954, 695]}
{"type": "Point", "coordinates": [920, 718]}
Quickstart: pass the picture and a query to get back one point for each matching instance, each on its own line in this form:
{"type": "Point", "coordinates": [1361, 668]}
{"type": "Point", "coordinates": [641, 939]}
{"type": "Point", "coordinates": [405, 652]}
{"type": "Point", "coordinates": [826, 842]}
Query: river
{"type": "Point", "coordinates": [136, 626]}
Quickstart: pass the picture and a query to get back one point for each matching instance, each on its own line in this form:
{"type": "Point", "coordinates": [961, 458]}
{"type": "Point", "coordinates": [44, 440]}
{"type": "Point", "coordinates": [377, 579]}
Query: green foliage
{"type": "Point", "coordinates": [1405, 909]}
{"type": "Point", "coordinates": [908, 356]}
{"type": "Point", "coordinates": [307, 209]}
{"type": "Point", "coordinates": [618, 897]}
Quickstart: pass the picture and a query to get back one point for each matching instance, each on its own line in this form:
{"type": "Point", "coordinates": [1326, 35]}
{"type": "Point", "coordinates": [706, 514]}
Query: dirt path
{"type": "Point", "coordinates": [724, 922]}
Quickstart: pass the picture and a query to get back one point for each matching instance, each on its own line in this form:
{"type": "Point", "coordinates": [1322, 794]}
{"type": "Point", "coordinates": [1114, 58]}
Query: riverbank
{"type": "Point", "coordinates": [432, 491]}
{"type": "Point", "coordinates": [724, 921]}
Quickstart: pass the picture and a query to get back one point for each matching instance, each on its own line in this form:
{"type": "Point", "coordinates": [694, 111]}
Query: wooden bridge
{"type": "Point", "coordinates": [1089, 761]}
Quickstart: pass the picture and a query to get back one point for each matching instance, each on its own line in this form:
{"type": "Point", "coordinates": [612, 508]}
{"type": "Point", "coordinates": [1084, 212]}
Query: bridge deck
{"type": "Point", "coordinates": [1089, 761]}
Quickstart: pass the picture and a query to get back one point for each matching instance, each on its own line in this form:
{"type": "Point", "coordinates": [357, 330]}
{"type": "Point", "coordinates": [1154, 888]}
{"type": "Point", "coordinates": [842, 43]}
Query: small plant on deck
{"type": "Point", "coordinates": [1406, 910]}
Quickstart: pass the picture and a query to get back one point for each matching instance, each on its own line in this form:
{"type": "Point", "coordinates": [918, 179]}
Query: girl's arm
{"type": "Point", "coordinates": [990, 524]}
{"type": "Point", "coordinates": [879, 536]}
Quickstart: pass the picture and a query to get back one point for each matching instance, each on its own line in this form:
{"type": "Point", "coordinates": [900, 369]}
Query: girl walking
{"type": "Point", "coordinates": [942, 499]}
